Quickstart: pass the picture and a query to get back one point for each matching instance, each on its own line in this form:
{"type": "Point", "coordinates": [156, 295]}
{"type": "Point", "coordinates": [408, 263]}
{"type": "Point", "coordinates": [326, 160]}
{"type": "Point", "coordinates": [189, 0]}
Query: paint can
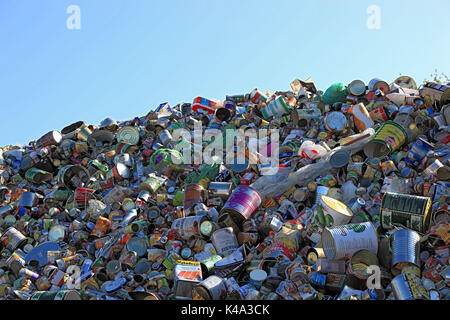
{"type": "Point", "coordinates": [342, 242]}
{"type": "Point", "coordinates": [225, 241]}
{"type": "Point", "coordinates": [212, 288]}
{"type": "Point", "coordinates": [408, 286]}
{"type": "Point", "coordinates": [219, 189]}
{"type": "Point", "coordinates": [56, 295]}
{"type": "Point", "coordinates": [188, 227]}
{"type": "Point", "coordinates": [13, 239]}
{"type": "Point", "coordinates": [405, 248]}
{"type": "Point", "coordinates": [410, 211]}
{"type": "Point", "coordinates": [256, 96]}
{"type": "Point", "coordinates": [222, 115]}
{"type": "Point", "coordinates": [207, 265]}
{"type": "Point", "coordinates": [49, 139]}
{"type": "Point", "coordinates": [389, 137]}
{"type": "Point", "coordinates": [193, 195]}
{"type": "Point", "coordinates": [242, 203]}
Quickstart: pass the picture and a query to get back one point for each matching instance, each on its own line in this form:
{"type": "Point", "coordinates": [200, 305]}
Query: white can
{"type": "Point", "coordinates": [225, 241]}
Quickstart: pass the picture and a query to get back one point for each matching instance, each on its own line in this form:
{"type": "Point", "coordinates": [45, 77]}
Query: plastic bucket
{"type": "Point", "coordinates": [342, 242]}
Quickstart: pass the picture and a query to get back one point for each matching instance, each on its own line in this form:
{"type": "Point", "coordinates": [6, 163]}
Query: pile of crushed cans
{"type": "Point", "coordinates": [358, 209]}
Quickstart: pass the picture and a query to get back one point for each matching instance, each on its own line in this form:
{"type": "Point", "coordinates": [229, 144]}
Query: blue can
{"type": "Point", "coordinates": [318, 279]}
{"type": "Point", "coordinates": [418, 151]}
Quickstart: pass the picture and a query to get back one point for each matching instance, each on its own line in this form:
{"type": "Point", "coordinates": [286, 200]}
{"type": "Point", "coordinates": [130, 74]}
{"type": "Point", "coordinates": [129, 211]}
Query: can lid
{"type": "Point", "coordinates": [258, 275]}
{"type": "Point", "coordinates": [339, 159]}
{"type": "Point", "coordinates": [207, 228]}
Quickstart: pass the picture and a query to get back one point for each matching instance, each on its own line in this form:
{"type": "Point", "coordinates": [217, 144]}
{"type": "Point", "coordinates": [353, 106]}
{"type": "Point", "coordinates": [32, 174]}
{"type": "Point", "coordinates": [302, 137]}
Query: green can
{"type": "Point", "coordinates": [37, 176]}
{"type": "Point", "coordinates": [410, 211]}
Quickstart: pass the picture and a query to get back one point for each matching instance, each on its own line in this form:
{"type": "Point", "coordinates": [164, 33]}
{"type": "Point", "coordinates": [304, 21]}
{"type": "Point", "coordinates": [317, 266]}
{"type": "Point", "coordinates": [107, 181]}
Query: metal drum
{"type": "Point", "coordinates": [410, 211]}
{"type": "Point", "coordinates": [225, 241]}
{"type": "Point", "coordinates": [405, 248]}
{"type": "Point", "coordinates": [193, 195]}
{"type": "Point", "coordinates": [242, 203]}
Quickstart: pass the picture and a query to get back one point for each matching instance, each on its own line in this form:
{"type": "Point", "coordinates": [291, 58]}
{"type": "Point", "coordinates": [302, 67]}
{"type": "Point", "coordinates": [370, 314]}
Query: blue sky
{"type": "Point", "coordinates": [130, 56]}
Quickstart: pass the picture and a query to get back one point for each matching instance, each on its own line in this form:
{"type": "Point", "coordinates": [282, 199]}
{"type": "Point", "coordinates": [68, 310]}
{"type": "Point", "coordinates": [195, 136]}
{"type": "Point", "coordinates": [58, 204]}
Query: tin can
{"type": "Point", "coordinates": [224, 240]}
{"type": "Point", "coordinates": [56, 295]}
{"type": "Point", "coordinates": [188, 227]}
{"type": "Point", "coordinates": [242, 203]}
{"type": "Point", "coordinates": [13, 239]}
{"type": "Point", "coordinates": [212, 288]}
{"type": "Point", "coordinates": [379, 84]}
{"type": "Point", "coordinates": [405, 248]}
{"type": "Point", "coordinates": [72, 176]}
{"type": "Point", "coordinates": [49, 139]}
{"type": "Point", "coordinates": [318, 279]}
{"type": "Point", "coordinates": [257, 277]}
{"type": "Point", "coordinates": [389, 137]}
{"type": "Point", "coordinates": [356, 88]}
{"type": "Point", "coordinates": [187, 275]}
{"type": "Point", "coordinates": [207, 265]}
{"type": "Point", "coordinates": [321, 191]}
{"type": "Point", "coordinates": [129, 135]}
{"type": "Point", "coordinates": [359, 263]}
{"type": "Point", "coordinates": [343, 241]}
{"type": "Point", "coordinates": [407, 210]}
{"type": "Point", "coordinates": [361, 117]}
{"type": "Point", "coordinates": [219, 189]}
{"type": "Point", "coordinates": [276, 108]}
{"type": "Point", "coordinates": [193, 195]}
{"type": "Point", "coordinates": [408, 287]}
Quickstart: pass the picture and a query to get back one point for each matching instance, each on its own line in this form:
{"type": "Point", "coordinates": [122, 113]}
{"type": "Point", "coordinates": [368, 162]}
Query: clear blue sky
{"type": "Point", "coordinates": [130, 56]}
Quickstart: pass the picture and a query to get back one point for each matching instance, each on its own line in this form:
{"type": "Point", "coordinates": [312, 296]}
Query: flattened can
{"type": "Point", "coordinates": [343, 241]}
{"type": "Point", "coordinates": [224, 240]}
{"type": "Point", "coordinates": [212, 288]}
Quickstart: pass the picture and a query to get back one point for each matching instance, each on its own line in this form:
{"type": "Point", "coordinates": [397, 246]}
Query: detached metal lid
{"type": "Point", "coordinates": [339, 159]}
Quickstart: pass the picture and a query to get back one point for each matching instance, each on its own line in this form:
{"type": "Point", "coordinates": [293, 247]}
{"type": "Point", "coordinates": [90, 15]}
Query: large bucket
{"type": "Point", "coordinates": [405, 248]}
{"type": "Point", "coordinates": [242, 203]}
{"type": "Point", "coordinates": [410, 211]}
{"type": "Point", "coordinates": [343, 241]}
{"type": "Point", "coordinates": [224, 240]}
{"type": "Point", "coordinates": [72, 176]}
{"type": "Point", "coordinates": [389, 137]}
